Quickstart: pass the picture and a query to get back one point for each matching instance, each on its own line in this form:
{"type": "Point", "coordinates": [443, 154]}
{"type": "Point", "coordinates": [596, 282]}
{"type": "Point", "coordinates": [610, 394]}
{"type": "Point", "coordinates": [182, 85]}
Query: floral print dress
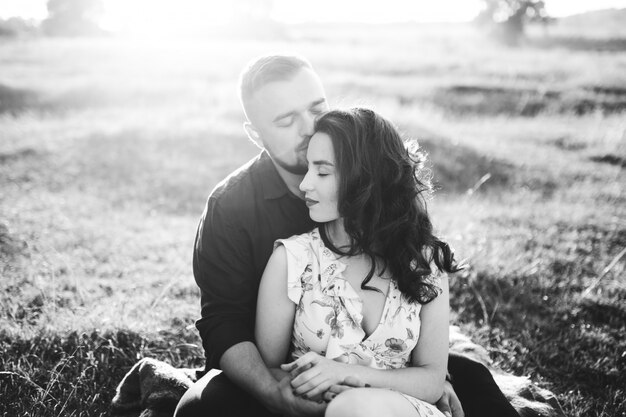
{"type": "Point", "coordinates": [328, 314]}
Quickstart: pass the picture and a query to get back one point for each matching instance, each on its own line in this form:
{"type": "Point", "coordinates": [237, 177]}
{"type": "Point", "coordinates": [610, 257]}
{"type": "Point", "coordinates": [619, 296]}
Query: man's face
{"type": "Point", "coordinates": [283, 114]}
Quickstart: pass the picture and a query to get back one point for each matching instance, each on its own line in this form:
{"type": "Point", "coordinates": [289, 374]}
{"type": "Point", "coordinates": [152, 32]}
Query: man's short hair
{"type": "Point", "coordinates": [268, 69]}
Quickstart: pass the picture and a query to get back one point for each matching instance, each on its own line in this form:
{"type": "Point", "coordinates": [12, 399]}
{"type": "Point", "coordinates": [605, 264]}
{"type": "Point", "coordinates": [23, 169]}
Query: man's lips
{"type": "Point", "coordinates": [310, 202]}
{"type": "Point", "coordinates": [303, 147]}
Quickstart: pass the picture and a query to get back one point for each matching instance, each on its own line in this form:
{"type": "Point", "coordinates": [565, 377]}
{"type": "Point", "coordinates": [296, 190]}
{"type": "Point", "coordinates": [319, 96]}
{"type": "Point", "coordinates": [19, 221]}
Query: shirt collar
{"type": "Point", "coordinates": [272, 184]}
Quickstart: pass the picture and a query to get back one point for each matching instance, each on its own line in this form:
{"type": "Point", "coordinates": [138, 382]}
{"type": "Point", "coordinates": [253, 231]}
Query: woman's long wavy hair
{"type": "Point", "coordinates": [382, 199]}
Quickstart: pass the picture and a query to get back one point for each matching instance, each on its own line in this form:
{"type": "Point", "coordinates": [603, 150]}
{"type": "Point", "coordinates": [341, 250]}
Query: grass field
{"type": "Point", "coordinates": [109, 149]}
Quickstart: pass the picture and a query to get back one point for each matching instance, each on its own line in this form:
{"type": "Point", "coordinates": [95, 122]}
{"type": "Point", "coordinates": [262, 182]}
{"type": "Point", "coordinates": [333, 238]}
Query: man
{"type": "Point", "coordinates": [257, 204]}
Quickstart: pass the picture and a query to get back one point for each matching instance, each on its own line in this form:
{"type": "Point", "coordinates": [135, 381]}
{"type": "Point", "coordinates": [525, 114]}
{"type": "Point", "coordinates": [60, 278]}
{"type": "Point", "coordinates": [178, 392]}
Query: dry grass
{"type": "Point", "coordinates": [108, 151]}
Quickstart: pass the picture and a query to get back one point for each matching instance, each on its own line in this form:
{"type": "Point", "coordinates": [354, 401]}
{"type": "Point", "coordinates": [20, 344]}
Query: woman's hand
{"type": "Point", "coordinates": [348, 383]}
{"type": "Point", "coordinates": [312, 375]}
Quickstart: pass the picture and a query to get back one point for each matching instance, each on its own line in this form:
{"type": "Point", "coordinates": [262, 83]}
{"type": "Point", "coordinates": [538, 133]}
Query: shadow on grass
{"type": "Point", "coordinates": [538, 323]}
{"type": "Point", "coordinates": [567, 143]}
{"type": "Point", "coordinates": [174, 174]}
{"type": "Point", "coordinates": [77, 373]}
{"type": "Point", "coordinates": [578, 43]}
{"type": "Point", "coordinates": [26, 165]}
{"type": "Point", "coordinates": [9, 246]}
{"type": "Point", "coordinates": [610, 159]}
{"type": "Point", "coordinates": [576, 347]}
{"type": "Point", "coordinates": [170, 172]}
{"type": "Point", "coordinates": [134, 165]}
{"type": "Point", "coordinates": [15, 101]}
{"type": "Point", "coordinates": [494, 97]}
{"type": "Point", "coordinates": [457, 168]}
{"type": "Point", "coordinates": [516, 101]}
{"type": "Point", "coordinates": [6, 157]}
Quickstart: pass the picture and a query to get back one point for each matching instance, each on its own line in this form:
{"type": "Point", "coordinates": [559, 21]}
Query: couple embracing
{"type": "Point", "coordinates": [324, 291]}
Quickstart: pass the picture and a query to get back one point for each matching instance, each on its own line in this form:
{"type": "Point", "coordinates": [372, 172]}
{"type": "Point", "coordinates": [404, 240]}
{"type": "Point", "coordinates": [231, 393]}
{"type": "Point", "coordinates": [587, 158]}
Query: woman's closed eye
{"type": "Point", "coordinates": [325, 172]}
{"type": "Point", "coordinates": [317, 172]}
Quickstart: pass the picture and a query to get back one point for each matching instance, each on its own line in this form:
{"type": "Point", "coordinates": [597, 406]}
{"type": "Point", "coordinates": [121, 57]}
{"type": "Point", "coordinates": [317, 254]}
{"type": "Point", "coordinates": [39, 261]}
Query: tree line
{"type": "Point", "coordinates": [505, 19]}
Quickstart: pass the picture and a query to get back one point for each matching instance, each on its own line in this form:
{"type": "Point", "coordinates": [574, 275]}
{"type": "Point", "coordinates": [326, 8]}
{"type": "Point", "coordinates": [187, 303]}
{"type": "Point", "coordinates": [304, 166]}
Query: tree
{"type": "Point", "coordinates": [253, 19]}
{"type": "Point", "coordinates": [254, 10]}
{"type": "Point", "coordinates": [15, 27]}
{"type": "Point", "coordinates": [73, 17]}
{"type": "Point", "coordinates": [507, 18]}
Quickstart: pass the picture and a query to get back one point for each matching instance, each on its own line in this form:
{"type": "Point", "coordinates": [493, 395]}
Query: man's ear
{"type": "Point", "coordinates": [253, 134]}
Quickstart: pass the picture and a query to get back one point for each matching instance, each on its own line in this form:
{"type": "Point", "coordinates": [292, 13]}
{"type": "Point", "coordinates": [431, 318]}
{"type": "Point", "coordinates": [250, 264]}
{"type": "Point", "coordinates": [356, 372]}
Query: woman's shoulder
{"type": "Point", "coordinates": [309, 239]}
{"type": "Point", "coordinates": [299, 253]}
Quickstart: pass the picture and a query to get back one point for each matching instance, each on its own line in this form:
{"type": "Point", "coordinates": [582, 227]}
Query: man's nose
{"type": "Point", "coordinates": [307, 126]}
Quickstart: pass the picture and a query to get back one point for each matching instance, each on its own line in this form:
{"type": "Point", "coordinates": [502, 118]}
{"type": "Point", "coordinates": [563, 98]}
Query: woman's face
{"type": "Point", "coordinates": [321, 182]}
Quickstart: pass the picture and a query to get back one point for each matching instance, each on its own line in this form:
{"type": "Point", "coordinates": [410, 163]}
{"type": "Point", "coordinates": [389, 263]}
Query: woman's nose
{"type": "Point", "coordinates": [304, 185]}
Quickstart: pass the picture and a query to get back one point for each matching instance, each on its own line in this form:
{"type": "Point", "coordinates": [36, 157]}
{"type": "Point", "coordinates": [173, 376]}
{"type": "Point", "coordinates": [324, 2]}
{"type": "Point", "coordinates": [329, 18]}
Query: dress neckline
{"type": "Point", "coordinates": [382, 314]}
{"type": "Point", "coordinates": [339, 275]}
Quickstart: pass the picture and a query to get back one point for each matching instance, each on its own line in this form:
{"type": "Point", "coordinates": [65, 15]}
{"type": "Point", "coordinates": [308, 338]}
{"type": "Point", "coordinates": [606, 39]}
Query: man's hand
{"type": "Point", "coordinates": [291, 405]}
{"type": "Point", "coordinates": [449, 403]}
{"type": "Point", "coordinates": [245, 368]}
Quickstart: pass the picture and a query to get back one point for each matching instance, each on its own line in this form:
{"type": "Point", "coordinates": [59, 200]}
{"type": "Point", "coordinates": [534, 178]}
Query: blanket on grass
{"type": "Point", "coordinates": [152, 388]}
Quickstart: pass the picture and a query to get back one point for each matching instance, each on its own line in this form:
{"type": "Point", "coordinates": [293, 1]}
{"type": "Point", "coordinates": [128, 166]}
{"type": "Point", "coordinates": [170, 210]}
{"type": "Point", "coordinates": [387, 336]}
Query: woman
{"type": "Point", "coordinates": [364, 294]}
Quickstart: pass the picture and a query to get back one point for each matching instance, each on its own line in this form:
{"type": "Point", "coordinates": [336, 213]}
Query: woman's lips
{"type": "Point", "coordinates": [310, 202]}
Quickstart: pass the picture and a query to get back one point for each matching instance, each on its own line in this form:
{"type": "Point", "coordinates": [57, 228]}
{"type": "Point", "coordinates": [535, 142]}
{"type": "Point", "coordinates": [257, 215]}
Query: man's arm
{"type": "Point", "coordinates": [243, 365]}
{"type": "Point", "coordinates": [224, 273]}
{"type": "Point", "coordinates": [223, 270]}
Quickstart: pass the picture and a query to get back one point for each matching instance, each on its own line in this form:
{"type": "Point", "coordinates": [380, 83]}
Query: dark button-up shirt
{"type": "Point", "coordinates": [243, 217]}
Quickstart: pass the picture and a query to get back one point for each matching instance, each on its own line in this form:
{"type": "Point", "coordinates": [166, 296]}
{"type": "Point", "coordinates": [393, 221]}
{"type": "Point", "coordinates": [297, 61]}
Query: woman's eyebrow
{"type": "Point", "coordinates": [323, 162]}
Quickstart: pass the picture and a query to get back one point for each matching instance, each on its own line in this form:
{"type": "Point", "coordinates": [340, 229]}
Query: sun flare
{"type": "Point", "coordinates": [156, 18]}
{"type": "Point", "coordinates": [166, 17]}
{"type": "Point", "coordinates": [368, 11]}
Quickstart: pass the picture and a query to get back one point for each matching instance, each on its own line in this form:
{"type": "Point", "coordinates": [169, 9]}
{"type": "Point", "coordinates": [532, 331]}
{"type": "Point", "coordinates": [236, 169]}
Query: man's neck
{"type": "Point", "coordinates": [292, 181]}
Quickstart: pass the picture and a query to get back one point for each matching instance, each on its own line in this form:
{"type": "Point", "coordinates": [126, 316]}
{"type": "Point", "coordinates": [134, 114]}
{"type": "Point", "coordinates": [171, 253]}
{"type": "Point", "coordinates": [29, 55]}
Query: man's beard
{"type": "Point", "coordinates": [299, 168]}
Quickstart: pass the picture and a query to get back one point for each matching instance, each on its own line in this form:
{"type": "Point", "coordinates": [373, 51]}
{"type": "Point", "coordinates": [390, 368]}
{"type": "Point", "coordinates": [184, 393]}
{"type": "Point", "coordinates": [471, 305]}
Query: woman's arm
{"type": "Point", "coordinates": [275, 311]}
{"type": "Point", "coordinates": [423, 380]}
{"type": "Point", "coordinates": [274, 322]}
{"type": "Point", "coordinates": [431, 352]}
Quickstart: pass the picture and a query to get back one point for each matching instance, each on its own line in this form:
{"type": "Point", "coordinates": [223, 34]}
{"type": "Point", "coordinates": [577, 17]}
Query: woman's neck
{"type": "Point", "coordinates": [337, 234]}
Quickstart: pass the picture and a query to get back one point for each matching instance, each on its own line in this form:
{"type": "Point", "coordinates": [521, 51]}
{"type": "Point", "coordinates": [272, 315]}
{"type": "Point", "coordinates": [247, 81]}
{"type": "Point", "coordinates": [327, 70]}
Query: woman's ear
{"type": "Point", "coordinates": [252, 134]}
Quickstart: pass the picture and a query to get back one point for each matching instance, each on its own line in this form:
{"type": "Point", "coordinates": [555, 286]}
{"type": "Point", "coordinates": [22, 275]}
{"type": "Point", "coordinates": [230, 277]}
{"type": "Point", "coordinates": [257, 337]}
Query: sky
{"type": "Point", "coordinates": [121, 14]}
